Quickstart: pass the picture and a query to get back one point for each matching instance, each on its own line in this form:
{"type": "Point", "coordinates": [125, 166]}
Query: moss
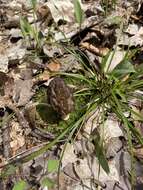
{"type": "Point", "coordinates": [41, 95]}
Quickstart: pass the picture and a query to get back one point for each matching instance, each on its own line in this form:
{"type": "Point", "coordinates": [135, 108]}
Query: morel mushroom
{"type": "Point", "coordinates": [60, 97]}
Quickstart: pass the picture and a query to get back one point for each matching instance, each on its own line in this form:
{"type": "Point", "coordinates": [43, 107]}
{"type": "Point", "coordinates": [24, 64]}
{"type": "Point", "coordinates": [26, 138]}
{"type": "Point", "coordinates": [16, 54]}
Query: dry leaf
{"type": "Point", "coordinates": [69, 155]}
{"type": "Point", "coordinates": [111, 129]}
{"type": "Point", "coordinates": [54, 65]}
{"type": "Point", "coordinates": [139, 152]}
{"type": "Point", "coordinates": [22, 92]}
{"type": "Point", "coordinates": [98, 51]}
{"type": "Point", "coordinates": [17, 137]}
{"type": "Point", "coordinates": [87, 167]}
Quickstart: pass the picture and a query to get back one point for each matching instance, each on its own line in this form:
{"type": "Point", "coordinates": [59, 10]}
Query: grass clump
{"type": "Point", "coordinates": [111, 91]}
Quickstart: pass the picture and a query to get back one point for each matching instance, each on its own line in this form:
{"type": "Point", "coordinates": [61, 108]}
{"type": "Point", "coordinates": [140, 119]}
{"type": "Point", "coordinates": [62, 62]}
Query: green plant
{"type": "Point", "coordinates": [47, 182]}
{"type": "Point", "coordinates": [108, 90]}
{"type": "Point", "coordinates": [78, 12]}
{"type": "Point", "coordinates": [31, 32]}
{"type": "Point", "coordinates": [53, 165]}
{"type": "Point", "coordinates": [108, 5]}
{"type": "Point", "coordinates": [112, 91]}
{"type": "Point", "coordinates": [20, 185]}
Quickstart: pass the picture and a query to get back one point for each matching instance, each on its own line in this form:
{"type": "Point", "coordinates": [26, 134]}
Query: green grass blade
{"type": "Point", "coordinates": [100, 154]}
{"type": "Point", "coordinates": [78, 12]}
{"type": "Point", "coordinates": [34, 3]}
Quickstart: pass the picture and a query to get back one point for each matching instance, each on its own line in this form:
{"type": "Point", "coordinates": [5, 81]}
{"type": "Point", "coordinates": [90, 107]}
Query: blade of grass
{"type": "Point", "coordinates": [78, 76]}
{"type": "Point", "coordinates": [73, 52]}
{"type": "Point", "coordinates": [78, 12]}
{"type": "Point", "coordinates": [124, 119]}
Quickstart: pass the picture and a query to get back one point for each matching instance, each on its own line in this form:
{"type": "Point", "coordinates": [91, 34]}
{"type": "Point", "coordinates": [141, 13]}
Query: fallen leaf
{"type": "Point", "coordinates": [69, 155]}
{"type": "Point", "coordinates": [87, 167]}
{"type": "Point", "coordinates": [61, 7]}
{"type": "Point", "coordinates": [111, 129]}
{"type": "Point", "coordinates": [17, 137]}
{"type": "Point", "coordinates": [22, 91]}
{"type": "Point", "coordinates": [54, 65]}
{"type": "Point", "coordinates": [136, 38]}
{"type": "Point", "coordinates": [98, 51]}
{"type": "Point", "coordinates": [112, 147]}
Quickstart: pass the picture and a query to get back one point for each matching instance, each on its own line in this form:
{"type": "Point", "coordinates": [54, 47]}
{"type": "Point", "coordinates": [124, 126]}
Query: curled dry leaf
{"type": "Point", "coordinates": [98, 51]}
{"type": "Point", "coordinates": [44, 77]}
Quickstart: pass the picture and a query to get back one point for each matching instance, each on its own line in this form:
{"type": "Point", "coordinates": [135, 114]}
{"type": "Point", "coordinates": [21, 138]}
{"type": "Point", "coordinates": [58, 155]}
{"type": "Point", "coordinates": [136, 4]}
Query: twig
{"type": "Point", "coordinates": [19, 157]}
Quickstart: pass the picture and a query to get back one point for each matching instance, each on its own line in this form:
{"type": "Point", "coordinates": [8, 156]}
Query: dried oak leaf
{"type": "Point", "coordinates": [17, 137]}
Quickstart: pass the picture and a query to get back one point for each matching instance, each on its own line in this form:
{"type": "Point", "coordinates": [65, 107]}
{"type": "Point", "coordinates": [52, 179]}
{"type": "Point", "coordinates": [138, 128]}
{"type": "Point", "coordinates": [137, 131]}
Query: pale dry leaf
{"type": "Point", "coordinates": [89, 166]}
{"type": "Point", "coordinates": [16, 51]}
{"type": "Point", "coordinates": [113, 146]}
{"type": "Point", "coordinates": [92, 123]}
{"type": "Point", "coordinates": [61, 9]}
{"type": "Point", "coordinates": [22, 92]}
{"type": "Point", "coordinates": [69, 155]}
{"type": "Point", "coordinates": [134, 40]}
{"type": "Point", "coordinates": [111, 129]}
{"type": "Point", "coordinates": [15, 33]}
{"type": "Point", "coordinates": [17, 137]}
{"type": "Point", "coordinates": [132, 29]}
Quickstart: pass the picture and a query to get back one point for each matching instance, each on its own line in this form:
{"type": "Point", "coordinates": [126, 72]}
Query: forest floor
{"type": "Point", "coordinates": [71, 89]}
